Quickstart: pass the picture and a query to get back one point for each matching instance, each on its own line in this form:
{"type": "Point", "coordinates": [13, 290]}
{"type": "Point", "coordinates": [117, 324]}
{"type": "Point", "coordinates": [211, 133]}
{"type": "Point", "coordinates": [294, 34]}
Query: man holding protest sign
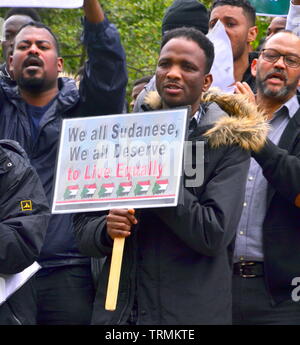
{"type": "Point", "coordinates": [177, 260]}
{"type": "Point", "coordinates": [32, 113]}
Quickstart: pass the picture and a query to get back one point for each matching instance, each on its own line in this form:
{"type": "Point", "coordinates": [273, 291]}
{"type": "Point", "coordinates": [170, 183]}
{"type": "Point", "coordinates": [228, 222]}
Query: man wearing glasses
{"type": "Point", "coordinates": [267, 248]}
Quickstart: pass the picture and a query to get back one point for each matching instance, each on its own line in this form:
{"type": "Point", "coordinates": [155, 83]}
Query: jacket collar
{"type": "Point", "coordinates": [67, 96]}
{"type": "Point", "coordinates": [290, 133]}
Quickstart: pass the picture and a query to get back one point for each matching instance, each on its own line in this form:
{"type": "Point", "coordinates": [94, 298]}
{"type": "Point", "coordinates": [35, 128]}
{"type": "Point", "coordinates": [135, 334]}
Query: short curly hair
{"type": "Point", "coordinates": [23, 11]}
{"type": "Point", "coordinates": [248, 9]}
{"type": "Point", "coordinates": [198, 37]}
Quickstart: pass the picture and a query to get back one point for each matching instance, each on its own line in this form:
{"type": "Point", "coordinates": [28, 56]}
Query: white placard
{"type": "Point", "coordinates": [222, 68]}
{"type": "Point", "coordinates": [10, 283]}
{"type": "Point", "coordinates": [126, 160]}
{"type": "Point", "coordinates": [42, 3]}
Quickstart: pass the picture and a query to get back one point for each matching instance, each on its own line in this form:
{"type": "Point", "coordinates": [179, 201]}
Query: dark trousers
{"type": "Point", "coordinates": [252, 305]}
{"type": "Point", "coordinates": [65, 295]}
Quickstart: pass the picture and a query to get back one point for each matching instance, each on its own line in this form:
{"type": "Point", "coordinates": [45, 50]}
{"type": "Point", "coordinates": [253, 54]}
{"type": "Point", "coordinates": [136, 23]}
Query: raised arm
{"type": "Point", "coordinates": [103, 86]}
{"type": "Point", "coordinates": [93, 11]}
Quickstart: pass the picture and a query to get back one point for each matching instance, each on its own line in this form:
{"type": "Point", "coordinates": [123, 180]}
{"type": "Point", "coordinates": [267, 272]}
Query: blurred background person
{"type": "Point", "coordinates": [138, 86]}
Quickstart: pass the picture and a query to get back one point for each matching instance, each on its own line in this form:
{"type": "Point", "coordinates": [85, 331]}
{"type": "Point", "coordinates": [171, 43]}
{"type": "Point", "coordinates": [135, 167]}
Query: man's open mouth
{"type": "Point", "coordinates": [276, 76]}
{"type": "Point", "coordinates": [33, 62]}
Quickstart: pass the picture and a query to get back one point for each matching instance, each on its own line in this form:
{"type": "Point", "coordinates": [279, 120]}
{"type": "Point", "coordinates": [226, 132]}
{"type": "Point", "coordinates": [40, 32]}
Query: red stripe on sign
{"type": "Point", "coordinates": [126, 184]}
{"type": "Point", "coordinates": [162, 182]}
{"type": "Point", "coordinates": [144, 183]}
{"type": "Point", "coordinates": [90, 186]}
{"type": "Point", "coordinates": [109, 185]}
{"type": "Point", "coordinates": [73, 187]}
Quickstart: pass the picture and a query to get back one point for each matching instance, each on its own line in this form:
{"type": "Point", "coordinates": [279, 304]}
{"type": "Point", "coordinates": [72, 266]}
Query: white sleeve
{"type": "Point", "coordinates": [293, 19]}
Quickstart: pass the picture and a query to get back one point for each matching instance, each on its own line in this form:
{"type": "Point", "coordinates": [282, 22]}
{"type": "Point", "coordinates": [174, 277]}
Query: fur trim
{"type": "Point", "coordinates": [64, 74]}
{"type": "Point", "coordinates": [153, 100]}
{"type": "Point", "coordinates": [245, 126]}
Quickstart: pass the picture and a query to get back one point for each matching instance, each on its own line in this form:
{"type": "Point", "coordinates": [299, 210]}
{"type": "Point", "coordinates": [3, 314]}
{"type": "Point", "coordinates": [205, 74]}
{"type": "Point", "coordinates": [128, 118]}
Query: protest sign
{"type": "Point", "coordinates": [42, 3]}
{"type": "Point", "coordinates": [272, 8]}
{"type": "Point", "coordinates": [222, 68]}
{"type": "Point", "coordinates": [127, 160]}
{"type": "Point", "coordinates": [10, 283]}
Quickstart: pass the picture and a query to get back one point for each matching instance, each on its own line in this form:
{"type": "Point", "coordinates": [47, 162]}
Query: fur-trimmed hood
{"type": "Point", "coordinates": [239, 123]}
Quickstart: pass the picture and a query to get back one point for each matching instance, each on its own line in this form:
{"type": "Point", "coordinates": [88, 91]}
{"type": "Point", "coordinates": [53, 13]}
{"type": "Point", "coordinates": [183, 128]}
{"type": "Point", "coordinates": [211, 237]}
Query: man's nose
{"type": "Point", "coordinates": [280, 63]}
{"type": "Point", "coordinates": [174, 72]}
{"type": "Point", "coordinates": [33, 49]}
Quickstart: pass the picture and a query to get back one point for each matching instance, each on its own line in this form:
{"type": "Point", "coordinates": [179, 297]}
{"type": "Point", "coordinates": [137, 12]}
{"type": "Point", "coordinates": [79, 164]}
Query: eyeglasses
{"type": "Point", "coordinates": [272, 55]}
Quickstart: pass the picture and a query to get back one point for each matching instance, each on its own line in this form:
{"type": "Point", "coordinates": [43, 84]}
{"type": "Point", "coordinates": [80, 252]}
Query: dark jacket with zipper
{"type": "Point", "coordinates": [101, 92]}
{"type": "Point", "coordinates": [281, 228]}
{"type": "Point", "coordinates": [22, 231]}
{"type": "Point", "coordinates": [177, 263]}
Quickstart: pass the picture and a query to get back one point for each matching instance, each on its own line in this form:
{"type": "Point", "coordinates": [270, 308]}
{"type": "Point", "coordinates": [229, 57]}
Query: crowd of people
{"type": "Point", "coordinates": [229, 251]}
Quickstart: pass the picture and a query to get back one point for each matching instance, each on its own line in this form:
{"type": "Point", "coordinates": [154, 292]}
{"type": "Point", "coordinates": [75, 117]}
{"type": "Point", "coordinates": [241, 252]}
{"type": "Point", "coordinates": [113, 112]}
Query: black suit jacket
{"type": "Point", "coordinates": [281, 228]}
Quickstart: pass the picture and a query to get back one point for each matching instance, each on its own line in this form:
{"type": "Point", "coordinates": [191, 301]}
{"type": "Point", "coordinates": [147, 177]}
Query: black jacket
{"type": "Point", "coordinates": [101, 92]}
{"type": "Point", "coordinates": [4, 74]}
{"type": "Point", "coordinates": [178, 260]}
{"type": "Point", "coordinates": [281, 228]}
{"type": "Point", "coordinates": [22, 231]}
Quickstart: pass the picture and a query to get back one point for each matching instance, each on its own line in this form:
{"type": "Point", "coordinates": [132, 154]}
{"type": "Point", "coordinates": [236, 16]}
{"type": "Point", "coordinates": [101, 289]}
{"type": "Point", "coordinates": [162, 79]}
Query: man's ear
{"type": "Point", "coordinates": [60, 64]}
{"type": "Point", "coordinates": [252, 33]}
{"type": "Point", "coordinates": [10, 67]}
{"type": "Point", "coordinates": [208, 79]}
{"type": "Point", "coordinates": [254, 67]}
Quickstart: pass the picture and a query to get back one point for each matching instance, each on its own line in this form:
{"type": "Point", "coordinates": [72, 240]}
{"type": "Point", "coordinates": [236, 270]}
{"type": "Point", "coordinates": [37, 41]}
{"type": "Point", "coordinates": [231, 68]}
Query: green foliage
{"type": "Point", "coordinates": [67, 26]}
{"type": "Point", "coordinates": [262, 25]}
{"type": "Point", "coordinates": [139, 24]}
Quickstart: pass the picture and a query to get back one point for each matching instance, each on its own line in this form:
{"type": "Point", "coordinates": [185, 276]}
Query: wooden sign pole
{"type": "Point", "coordinates": [114, 274]}
{"type": "Point", "coordinates": [115, 271]}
